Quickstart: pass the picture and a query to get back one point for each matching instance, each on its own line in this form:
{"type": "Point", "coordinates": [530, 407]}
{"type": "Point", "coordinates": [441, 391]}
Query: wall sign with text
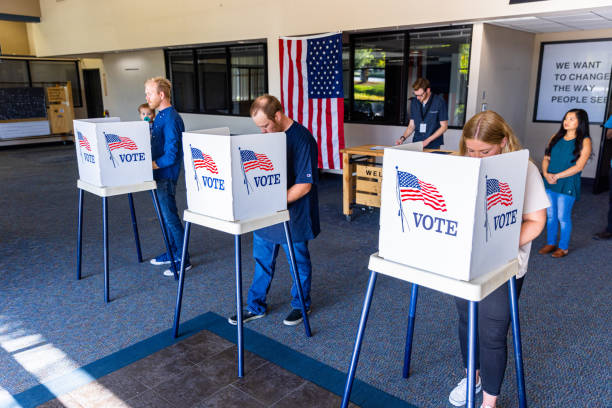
{"type": "Point", "coordinates": [573, 75]}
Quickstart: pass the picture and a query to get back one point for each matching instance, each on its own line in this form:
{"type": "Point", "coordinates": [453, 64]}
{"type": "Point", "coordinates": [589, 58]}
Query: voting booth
{"type": "Point", "coordinates": [111, 153]}
{"type": "Point", "coordinates": [235, 177]}
{"type": "Point", "coordinates": [236, 184]}
{"type": "Point", "coordinates": [455, 216]}
{"type": "Point", "coordinates": [114, 158]}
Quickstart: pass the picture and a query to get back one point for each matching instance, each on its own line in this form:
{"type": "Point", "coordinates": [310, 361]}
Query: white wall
{"type": "Point", "coordinates": [126, 73]}
{"type": "Point", "coordinates": [538, 134]}
{"type": "Point", "coordinates": [505, 69]}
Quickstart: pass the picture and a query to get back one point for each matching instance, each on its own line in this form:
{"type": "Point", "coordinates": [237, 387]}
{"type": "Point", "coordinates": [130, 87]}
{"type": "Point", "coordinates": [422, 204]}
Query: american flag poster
{"type": "Point", "coordinates": [119, 142]}
{"type": "Point", "coordinates": [83, 142]}
{"type": "Point", "coordinates": [498, 193]}
{"type": "Point", "coordinates": [411, 188]}
{"type": "Point", "coordinates": [312, 92]}
{"type": "Point", "coordinates": [252, 160]}
{"type": "Point", "coordinates": [203, 161]}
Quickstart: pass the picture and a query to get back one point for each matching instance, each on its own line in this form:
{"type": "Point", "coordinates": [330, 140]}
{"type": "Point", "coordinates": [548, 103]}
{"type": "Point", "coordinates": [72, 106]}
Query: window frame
{"type": "Point", "coordinates": [77, 104]}
{"type": "Point", "coordinates": [228, 83]}
{"type": "Point", "coordinates": [404, 86]}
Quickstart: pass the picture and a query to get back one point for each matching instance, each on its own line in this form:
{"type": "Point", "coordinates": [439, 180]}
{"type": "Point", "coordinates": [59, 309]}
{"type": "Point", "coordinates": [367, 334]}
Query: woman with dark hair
{"type": "Point", "coordinates": [564, 158]}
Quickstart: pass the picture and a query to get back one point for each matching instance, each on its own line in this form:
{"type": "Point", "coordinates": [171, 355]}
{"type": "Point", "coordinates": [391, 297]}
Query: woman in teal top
{"type": "Point", "coordinates": [564, 158]}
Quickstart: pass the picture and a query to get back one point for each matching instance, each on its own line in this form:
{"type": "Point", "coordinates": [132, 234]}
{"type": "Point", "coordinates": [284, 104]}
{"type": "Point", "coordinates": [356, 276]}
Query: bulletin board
{"type": "Point", "coordinates": [22, 103]}
{"type": "Point", "coordinates": [573, 74]}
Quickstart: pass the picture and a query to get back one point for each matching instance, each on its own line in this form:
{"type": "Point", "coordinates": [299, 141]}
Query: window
{"type": "Point", "coordinates": [221, 80]}
{"type": "Point", "coordinates": [50, 73]}
{"type": "Point", "coordinates": [442, 56]}
{"type": "Point", "coordinates": [183, 79]}
{"type": "Point", "coordinates": [41, 73]}
{"type": "Point", "coordinates": [14, 73]}
{"type": "Point", "coordinates": [379, 69]}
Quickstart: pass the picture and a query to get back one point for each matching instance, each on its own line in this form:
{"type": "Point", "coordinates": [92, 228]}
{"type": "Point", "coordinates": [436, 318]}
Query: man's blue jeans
{"type": "Point", "coordinates": [265, 253]}
{"type": "Point", "coordinates": [166, 192]}
{"type": "Point", "coordinates": [559, 213]}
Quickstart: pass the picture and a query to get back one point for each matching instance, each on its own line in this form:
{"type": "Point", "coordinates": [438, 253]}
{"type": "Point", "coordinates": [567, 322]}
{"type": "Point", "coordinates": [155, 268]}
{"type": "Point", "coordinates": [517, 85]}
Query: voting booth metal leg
{"type": "Point", "coordinates": [516, 340]}
{"type": "Point", "coordinates": [239, 334]}
{"type": "Point", "coordinates": [105, 233]}
{"type": "Point", "coordinates": [135, 227]}
{"type": "Point", "coordinates": [410, 331]}
{"type": "Point", "coordinates": [359, 339]}
{"type": "Point", "coordinates": [179, 294]}
{"type": "Point", "coordinates": [471, 368]}
{"type": "Point", "coordinates": [80, 235]}
{"type": "Point", "coordinates": [164, 232]}
{"type": "Point", "coordinates": [296, 278]}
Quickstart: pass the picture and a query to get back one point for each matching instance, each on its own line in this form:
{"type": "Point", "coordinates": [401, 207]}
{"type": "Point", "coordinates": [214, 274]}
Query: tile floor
{"type": "Point", "coordinates": [198, 372]}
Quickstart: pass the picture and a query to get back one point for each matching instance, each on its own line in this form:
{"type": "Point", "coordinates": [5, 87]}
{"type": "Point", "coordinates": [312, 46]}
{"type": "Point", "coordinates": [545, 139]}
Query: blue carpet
{"type": "Point", "coordinates": [283, 356]}
{"type": "Point", "coordinates": [566, 313]}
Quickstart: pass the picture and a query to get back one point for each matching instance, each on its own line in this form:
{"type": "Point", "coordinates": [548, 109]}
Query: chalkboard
{"type": "Point", "coordinates": [22, 103]}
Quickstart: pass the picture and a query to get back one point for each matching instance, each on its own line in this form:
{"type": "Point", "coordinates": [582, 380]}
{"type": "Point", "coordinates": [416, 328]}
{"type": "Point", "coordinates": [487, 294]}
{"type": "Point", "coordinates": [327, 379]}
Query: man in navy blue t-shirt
{"type": "Point", "coordinates": [303, 205]}
{"type": "Point", "coordinates": [428, 117]}
{"type": "Point", "coordinates": [167, 155]}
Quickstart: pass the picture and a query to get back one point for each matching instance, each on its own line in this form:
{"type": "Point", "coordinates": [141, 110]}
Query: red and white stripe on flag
{"type": "Point", "coordinates": [311, 91]}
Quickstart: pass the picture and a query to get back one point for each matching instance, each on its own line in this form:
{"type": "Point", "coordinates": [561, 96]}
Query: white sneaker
{"type": "Point", "coordinates": [168, 272]}
{"type": "Point", "coordinates": [457, 396]}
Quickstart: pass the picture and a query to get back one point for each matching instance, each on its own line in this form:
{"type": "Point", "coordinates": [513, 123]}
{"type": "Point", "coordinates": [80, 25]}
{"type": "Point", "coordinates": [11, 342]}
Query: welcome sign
{"type": "Point", "coordinates": [454, 216]}
{"type": "Point", "coordinates": [236, 177]}
{"type": "Point", "coordinates": [111, 153]}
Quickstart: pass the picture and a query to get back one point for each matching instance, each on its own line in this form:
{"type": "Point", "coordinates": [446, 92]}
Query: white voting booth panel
{"type": "Point", "coordinates": [111, 153]}
{"type": "Point", "coordinates": [237, 177]}
{"type": "Point", "coordinates": [455, 216]}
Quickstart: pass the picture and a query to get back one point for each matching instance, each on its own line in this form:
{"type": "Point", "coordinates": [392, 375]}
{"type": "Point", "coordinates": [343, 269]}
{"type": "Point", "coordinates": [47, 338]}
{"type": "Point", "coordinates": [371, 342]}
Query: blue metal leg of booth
{"type": "Point", "coordinates": [135, 227]}
{"type": "Point", "coordinates": [164, 233]}
{"type": "Point", "coordinates": [80, 235]}
{"type": "Point", "coordinates": [358, 340]}
{"type": "Point", "coordinates": [409, 332]}
{"type": "Point", "coordinates": [179, 294]}
{"type": "Point", "coordinates": [239, 338]}
{"type": "Point", "coordinates": [471, 368]}
{"type": "Point", "coordinates": [296, 278]}
{"type": "Point", "coordinates": [516, 339]}
{"type": "Point", "coordinates": [105, 232]}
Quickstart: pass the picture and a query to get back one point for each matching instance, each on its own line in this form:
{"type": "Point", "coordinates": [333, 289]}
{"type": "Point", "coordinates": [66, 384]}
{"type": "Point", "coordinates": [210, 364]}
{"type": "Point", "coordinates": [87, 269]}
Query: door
{"type": "Point", "coordinates": [93, 93]}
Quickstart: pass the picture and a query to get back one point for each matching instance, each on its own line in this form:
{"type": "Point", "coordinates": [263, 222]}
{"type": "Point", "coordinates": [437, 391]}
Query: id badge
{"type": "Point", "coordinates": [423, 128]}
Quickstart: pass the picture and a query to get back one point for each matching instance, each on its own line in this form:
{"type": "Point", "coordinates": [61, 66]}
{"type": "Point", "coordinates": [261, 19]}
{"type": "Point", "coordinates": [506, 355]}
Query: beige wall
{"type": "Point", "coordinates": [14, 38]}
{"type": "Point", "coordinates": [538, 134]}
{"type": "Point", "coordinates": [119, 25]}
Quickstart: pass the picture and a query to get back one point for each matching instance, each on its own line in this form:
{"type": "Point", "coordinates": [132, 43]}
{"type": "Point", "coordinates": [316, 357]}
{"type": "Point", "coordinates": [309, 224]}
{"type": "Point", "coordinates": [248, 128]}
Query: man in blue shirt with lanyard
{"type": "Point", "coordinates": [607, 233]}
{"type": "Point", "coordinates": [428, 117]}
{"type": "Point", "coordinates": [167, 155]}
{"type": "Point", "coordinates": [303, 205]}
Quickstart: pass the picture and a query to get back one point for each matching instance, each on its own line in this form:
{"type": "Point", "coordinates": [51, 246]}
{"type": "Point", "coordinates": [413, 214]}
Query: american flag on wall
{"type": "Point", "coordinates": [83, 142]}
{"type": "Point", "coordinates": [311, 90]}
{"type": "Point", "coordinates": [498, 193]}
{"type": "Point", "coordinates": [119, 142]}
{"type": "Point", "coordinates": [252, 160]}
{"type": "Point", "coordinates": [411, 188]}
{"type": "Point", "coordinates": [203, 161]}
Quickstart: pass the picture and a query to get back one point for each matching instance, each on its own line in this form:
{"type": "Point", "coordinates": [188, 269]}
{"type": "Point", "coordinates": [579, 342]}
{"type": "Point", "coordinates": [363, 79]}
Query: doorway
{"type": "Point", "coordinates": [93, 93]}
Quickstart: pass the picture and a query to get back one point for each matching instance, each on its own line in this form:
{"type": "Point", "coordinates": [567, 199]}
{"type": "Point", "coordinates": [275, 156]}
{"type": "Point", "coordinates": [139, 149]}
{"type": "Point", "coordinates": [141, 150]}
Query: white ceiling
{"type": "Point", "coordinates": [568, 21]}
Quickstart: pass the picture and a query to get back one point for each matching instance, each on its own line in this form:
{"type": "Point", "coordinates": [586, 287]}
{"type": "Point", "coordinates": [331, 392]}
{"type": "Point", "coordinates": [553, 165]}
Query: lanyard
{"type": "Point", "coordinates": [427, 107]}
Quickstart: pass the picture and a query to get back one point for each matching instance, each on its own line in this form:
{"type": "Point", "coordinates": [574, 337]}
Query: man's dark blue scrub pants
{"type": "Point", "coordinates": [265, 253]}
